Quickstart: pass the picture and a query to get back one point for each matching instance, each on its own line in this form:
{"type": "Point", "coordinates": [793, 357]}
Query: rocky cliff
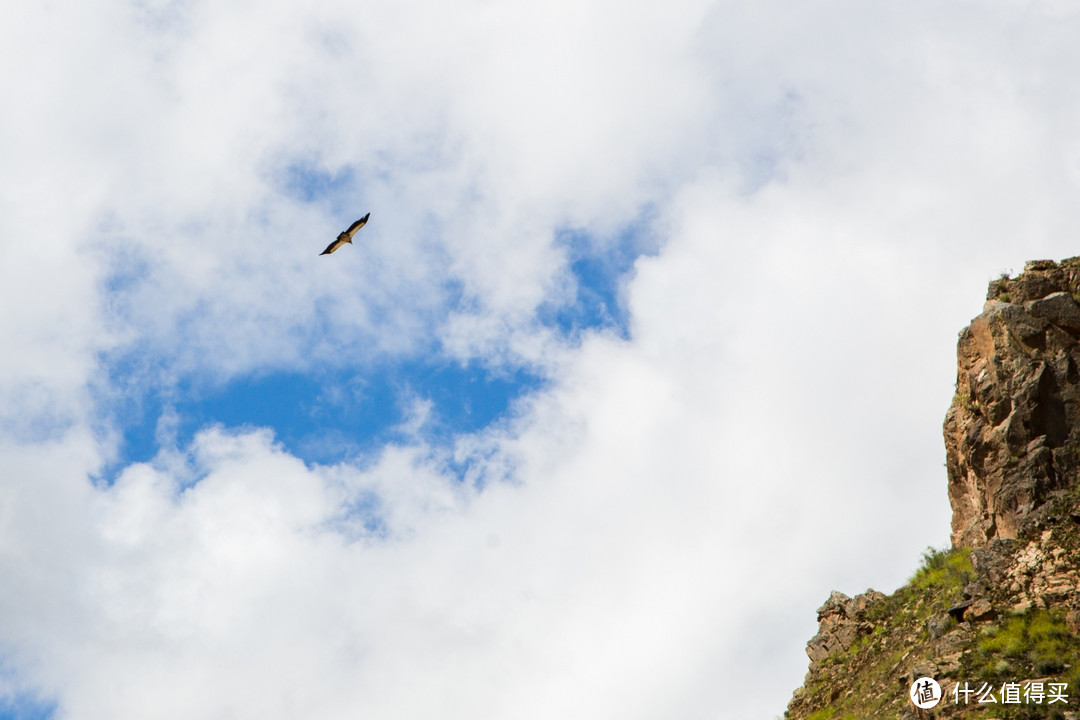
{"type": "Point", "coordinates": [995, 621]}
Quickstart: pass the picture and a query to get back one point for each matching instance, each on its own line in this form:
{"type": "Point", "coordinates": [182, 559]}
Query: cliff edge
{"type": "Point", "coordinates": [995, 621]}
{"type": "Point", "coordinates": [1012, 431]}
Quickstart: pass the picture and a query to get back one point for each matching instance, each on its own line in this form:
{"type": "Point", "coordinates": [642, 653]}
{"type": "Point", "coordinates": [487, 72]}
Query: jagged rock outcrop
{"type": "Point", "coordinates": [841, 621]}
{"type": "Point", "coordinates": [1002, 607]}
{"type": "Point", "coordinates": [1012, 431]}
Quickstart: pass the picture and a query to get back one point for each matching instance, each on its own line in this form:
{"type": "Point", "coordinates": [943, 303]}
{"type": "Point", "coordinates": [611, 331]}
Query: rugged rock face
{"type": "Point", "coordinates": [1002, 608]}
{"type": "Point", "coordinates": [841, 621]}
{"type": "Point", "coordinates": [1013, 428]}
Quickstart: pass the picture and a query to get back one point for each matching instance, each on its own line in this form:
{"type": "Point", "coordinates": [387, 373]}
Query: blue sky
{"type": "Point", "coordinates": [651, 298]}
{"type": "Point", "coordinates": [330, 416]}
{"type": "Point", "coordinates": [343, 410]}
{"type": "Point", "coordinates": [26, 708]}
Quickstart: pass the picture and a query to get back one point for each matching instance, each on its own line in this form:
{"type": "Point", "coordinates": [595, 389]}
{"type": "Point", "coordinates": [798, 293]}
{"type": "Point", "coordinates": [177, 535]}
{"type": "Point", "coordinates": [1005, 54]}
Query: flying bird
{"type": "Point", "coordinates": [347, 236]}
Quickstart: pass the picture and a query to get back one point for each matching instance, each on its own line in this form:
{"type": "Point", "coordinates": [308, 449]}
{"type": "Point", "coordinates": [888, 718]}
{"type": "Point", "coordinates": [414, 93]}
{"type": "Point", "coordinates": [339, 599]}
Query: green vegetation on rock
{"type": "Point", "coordinates": [942, 571]}
{"type": "Point", "coordinates": [862, 681]}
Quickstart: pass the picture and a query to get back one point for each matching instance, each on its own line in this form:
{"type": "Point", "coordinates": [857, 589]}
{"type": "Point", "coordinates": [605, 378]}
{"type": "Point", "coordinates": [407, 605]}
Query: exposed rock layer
{"type": "Point", "coordinates": [1013, 428]}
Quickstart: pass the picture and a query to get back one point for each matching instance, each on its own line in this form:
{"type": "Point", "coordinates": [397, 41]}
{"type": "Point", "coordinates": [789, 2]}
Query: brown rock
{"type": "Point", "coordinates": [835, 605]}
{"type": "Point", "coordinates": [858, 605]}
{"type": "Point", "coordinates": [937, 625]}
{"type": "Point", "coordinates": [980, 610]}
{"type": "Point", "coordinates": [1011, 430]}
{"type": "Point", "coordinates": [1058, 308]}
{"type": "Point", "coordinates": [840, 623]}
{"type": "Point", "coordinates": [1072, 621]}
{"type": "Point", "coordinates": [995, 560]}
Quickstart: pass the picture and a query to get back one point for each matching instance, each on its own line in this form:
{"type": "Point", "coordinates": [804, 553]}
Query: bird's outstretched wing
{"type": "Point", "coordinates": [357, 225]}
{"type": "Point", "coordinates": [333, 246]}
{"type": "Point", "coordinates": [347, 236]}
